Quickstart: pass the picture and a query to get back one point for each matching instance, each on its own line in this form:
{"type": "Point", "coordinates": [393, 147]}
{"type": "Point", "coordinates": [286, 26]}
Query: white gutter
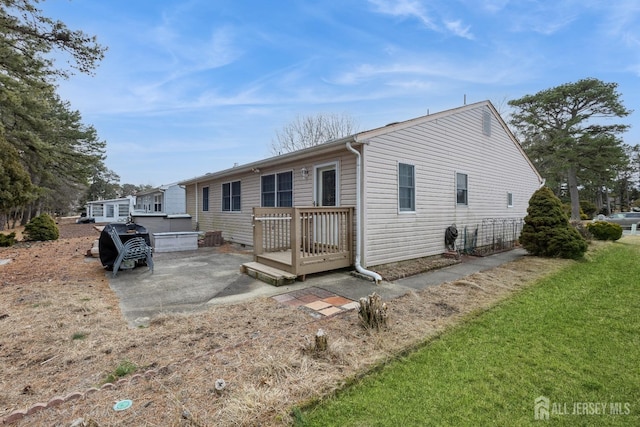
{"type": "Point", "coordinates": [376, 277]}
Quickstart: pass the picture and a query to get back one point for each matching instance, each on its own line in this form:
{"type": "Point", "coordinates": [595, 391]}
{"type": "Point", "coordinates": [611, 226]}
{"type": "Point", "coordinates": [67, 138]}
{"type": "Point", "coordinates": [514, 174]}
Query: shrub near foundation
{"type": "Point", "coordinates": [546, 230]}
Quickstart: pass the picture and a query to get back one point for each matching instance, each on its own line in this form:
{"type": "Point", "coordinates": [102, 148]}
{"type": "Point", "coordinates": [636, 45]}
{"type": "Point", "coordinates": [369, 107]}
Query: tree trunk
{"type": "Point", "coordinates": [573, 192]}
{"type": "Point", "coordinates": [628, 195]}
{"type": "Point", "coordinates": [17, 216]}
{"type": "Point", "coordinates": [599, 201]}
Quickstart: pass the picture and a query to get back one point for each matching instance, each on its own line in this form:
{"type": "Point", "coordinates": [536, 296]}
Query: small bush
{"type": "Point", "coordinates": [546, 230]}
{"type": "Point", "coordinates": [41, 228]}
{"type": "Point", "coordinates": [566, 243]}
{"type": "Point", "coordinates": [603, 230]}
{"type": "Point", "coordinates": [7, 239]}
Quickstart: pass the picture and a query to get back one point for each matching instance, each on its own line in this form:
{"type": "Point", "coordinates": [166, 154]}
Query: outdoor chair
{"type": "Point", "coordinates": [134, 249]}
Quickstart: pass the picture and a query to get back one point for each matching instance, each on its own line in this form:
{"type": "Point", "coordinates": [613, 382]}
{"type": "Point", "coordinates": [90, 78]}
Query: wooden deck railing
{"type": "Point", "coordinates": [303, 240]}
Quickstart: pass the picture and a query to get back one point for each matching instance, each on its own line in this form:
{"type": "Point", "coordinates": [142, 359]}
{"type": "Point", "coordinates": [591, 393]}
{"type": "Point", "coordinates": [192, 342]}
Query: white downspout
{"type": "Point", "coordinates": [376, 277]}
{"type": "Point", "coordinates": [197, 219]}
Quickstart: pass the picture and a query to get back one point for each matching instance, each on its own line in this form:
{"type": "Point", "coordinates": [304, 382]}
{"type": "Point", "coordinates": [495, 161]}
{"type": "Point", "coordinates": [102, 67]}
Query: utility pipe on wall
{"type": "Point", "coordinates": [359, 268]}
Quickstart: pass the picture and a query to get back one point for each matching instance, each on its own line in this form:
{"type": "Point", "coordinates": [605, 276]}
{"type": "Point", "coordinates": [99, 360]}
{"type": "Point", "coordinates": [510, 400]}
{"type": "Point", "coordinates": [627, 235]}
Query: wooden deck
{"type": "Point", "coordinates": [322, 235]}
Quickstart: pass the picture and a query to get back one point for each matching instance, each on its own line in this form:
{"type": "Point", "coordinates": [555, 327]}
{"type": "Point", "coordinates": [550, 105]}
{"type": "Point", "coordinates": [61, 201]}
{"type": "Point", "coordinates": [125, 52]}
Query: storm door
{"type": "Point", "coordinates": [326, 186]}
{"type": "Point", "coordinates": [326, 194]}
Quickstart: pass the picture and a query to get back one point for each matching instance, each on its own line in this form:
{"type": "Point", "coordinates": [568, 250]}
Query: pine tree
{"type": "Point", "coordinates": [568, 133]}
{"type": "Point", "coordinates": [15, 185]}
{"type": "Point", "coordinates": [47, 140]}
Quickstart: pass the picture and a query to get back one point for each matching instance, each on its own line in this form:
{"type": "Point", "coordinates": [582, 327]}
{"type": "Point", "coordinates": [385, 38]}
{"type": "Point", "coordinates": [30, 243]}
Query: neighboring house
{"type": "Point", "coordinates": [461, 166]}
{"type": "Point", "coordinates": [162, 210]}
{"type": "Point", "coordinates": [112, 210]}
{"type": "Point", "coordinates": [168, 199]}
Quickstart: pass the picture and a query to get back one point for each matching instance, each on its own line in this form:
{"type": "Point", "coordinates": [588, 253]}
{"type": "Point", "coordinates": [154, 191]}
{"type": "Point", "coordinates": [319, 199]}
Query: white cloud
{"type": "Point", "coordinates": [543, 17]}
{"type": "Point", "coordinates": [366, 72]}
{"type": "Point", "coordinates": [548, 26]}
{"type": "Point", "coordinates": [414, 85]}
{"type": "Point", "coordinates": [622, 22]}
{"type": "Point", "coordinates": [486, 72]}
{"type": "Point", "coordinates": [492, 6]}
{"type": "Point", "coordinates": [458, 29]}
{"type": "Point", "coordinates": [415, 9]}
{"type": "Point", "coordinates": [405, 8]}
{"type": "Point", "coordinates": [181, 54]}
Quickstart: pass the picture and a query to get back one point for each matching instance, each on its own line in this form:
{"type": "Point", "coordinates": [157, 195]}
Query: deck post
{"type": "Point", "coordinates": [295, 225]}
{"type": "Point", "coordinates": [257, 236]}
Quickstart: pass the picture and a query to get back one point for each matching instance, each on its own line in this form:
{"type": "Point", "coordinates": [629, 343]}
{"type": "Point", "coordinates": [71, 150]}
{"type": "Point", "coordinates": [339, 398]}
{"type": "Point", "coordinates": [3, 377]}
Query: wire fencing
{"type": "Point", "coordinates": [490, 236]}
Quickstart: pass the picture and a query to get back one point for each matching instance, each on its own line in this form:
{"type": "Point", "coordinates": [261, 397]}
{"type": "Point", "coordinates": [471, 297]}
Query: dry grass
{"type": "Point", "coordinates": [51, 295]}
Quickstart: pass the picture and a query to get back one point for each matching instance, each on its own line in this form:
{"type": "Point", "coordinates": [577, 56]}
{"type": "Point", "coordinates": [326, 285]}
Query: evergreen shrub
{"type": "Point", "coordinates": [8, 239]}
{"type": "Point", "coordinates": [603, 230]}
{"type": "Point", "coordinates": [41, 228]}
{"type": "Point", "coordinates": [547, 232]}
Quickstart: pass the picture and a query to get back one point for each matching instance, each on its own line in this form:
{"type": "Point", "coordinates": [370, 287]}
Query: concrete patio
{"type": "Point", "coordinates": [190, 281]}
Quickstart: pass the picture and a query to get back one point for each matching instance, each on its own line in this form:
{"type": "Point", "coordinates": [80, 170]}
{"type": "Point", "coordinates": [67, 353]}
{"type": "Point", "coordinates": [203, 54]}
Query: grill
{"type": "Point", "coordinates": [108, 250]}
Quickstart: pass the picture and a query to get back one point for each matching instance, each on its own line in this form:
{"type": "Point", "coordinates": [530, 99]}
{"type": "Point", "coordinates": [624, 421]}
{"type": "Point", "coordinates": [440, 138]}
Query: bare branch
{"type": "Point", "coordinates": [307, 131]}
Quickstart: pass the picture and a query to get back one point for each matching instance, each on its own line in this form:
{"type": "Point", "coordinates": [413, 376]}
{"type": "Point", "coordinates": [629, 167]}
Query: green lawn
{"type": "Point", "coordinates": [573, 338]}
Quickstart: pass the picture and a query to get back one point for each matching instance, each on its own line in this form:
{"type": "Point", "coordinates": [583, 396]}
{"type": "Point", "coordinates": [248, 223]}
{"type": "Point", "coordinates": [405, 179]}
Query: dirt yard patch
{"type": "Point", "coordinates": [401, 269]}
{"type": "Point", "coordinates": [62, 337]}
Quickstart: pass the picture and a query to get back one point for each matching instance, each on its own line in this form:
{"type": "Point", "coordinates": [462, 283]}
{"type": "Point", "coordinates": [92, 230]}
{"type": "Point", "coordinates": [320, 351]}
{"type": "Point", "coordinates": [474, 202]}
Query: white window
{"type": "Point", "coordinates": [98, 210]}
{"type": "Point", "coordinates": [509, 199]}
{"type": "Point", "coordinates": [406, 188]}
{"type": "Point", "coordinates": [277, 190]}
{"type": "Point", "coordinates": [110, 211]}
{"type": "Point", "coordinates": [231, 201]}
{"type": "Point", "coordinates": [123, 209]}
{"type": "Point", "coordinates": [462, 192]}
{"type": "Point", "coordinates": [157, 203]}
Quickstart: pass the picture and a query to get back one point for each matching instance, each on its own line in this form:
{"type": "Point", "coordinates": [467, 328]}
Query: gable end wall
{"type": "Point", "coordinates": [438, 149]}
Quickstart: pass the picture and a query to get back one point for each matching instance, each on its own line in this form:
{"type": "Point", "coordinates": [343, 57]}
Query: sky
{"type": "Point", "coordinates": [189, 87]}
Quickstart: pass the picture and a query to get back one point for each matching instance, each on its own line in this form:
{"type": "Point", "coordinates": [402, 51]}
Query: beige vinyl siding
{"type": "Point", "coordinates": [438, 149]}
{"type": "Point", "coordinates": [237, 226]}
{"type": "Point", "coordinates": [190, 200]}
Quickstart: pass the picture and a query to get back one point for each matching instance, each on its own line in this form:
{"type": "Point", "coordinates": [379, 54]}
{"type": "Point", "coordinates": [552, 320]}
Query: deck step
{"type": "Point", "coordinates": [270, 275]}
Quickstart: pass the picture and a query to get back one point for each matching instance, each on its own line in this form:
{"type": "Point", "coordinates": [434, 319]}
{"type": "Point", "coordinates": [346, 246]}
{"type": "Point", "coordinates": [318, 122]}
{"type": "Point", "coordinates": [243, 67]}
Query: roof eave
{"type": "Point", "coordinates": [287, 157]}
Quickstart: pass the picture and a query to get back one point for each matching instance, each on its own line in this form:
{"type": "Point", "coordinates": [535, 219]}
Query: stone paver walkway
{"type": "Point", "coordinates": [317, 302]}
